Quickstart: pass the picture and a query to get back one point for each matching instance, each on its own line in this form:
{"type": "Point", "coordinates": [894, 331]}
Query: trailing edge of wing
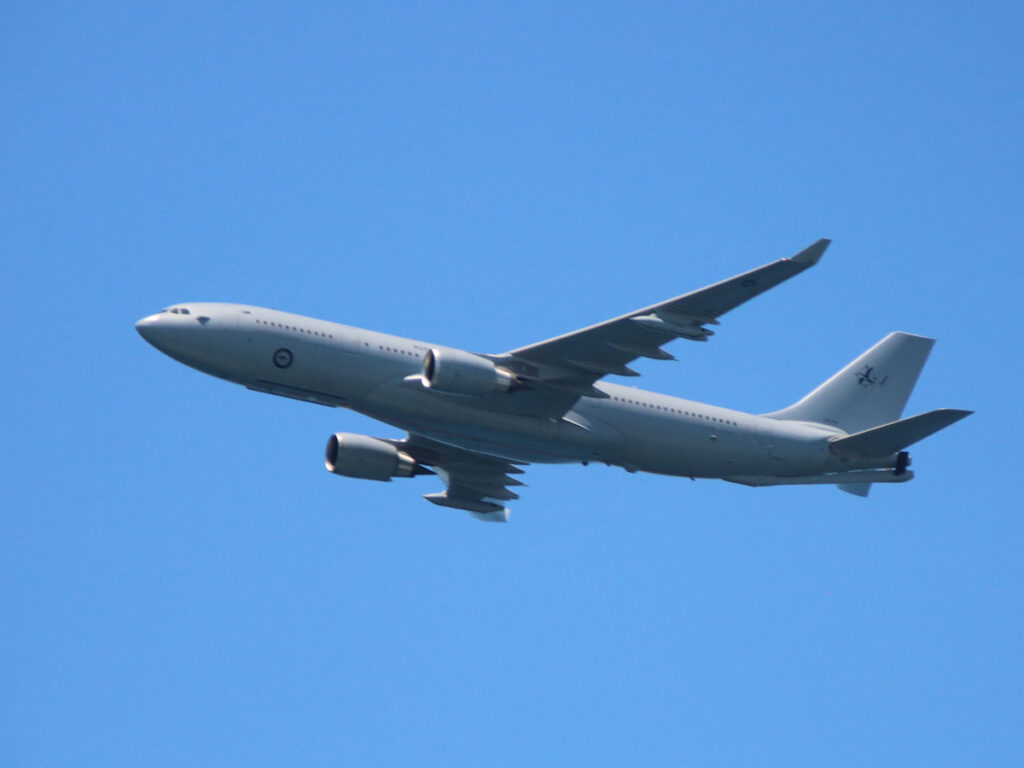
{"type": "Point", "coordinates": [576, 360]}
{"type": "Point", "coordinates": [476, 483]}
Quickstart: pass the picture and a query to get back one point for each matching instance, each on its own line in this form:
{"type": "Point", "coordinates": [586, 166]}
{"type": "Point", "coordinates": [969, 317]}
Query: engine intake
{"type": "Point", "coordinates": [455, 372]}
{"type": "Point", "coordinates": [367, 458]}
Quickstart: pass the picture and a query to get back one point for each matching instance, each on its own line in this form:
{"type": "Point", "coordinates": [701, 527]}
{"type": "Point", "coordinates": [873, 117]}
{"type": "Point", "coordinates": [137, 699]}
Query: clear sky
{"type": "Point", "coordinates": [181, 582]}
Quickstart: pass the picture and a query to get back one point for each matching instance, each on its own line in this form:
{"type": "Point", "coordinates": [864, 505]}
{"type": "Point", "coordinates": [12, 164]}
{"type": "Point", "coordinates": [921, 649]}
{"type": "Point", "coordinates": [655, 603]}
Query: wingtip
{"type": "Point", "coordinates": [812, 253]}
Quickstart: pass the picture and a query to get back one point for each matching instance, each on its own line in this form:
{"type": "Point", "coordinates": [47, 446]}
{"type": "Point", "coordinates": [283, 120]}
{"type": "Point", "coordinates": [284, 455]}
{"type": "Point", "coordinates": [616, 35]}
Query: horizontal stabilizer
{"type": "Point", "coordinates": [891, 438]}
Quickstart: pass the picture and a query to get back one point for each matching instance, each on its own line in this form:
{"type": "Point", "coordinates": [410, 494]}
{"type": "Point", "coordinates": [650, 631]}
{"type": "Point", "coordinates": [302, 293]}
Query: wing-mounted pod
{"type": "Point", "coordinates": [683, 326]}
{"type": "Point", "coordinates": [455, 372]}
{"type": "Point", "coordinates": [484, 511]}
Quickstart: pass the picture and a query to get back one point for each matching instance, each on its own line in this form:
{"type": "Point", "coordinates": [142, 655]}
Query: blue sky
{"type": "Point", "coordinates": [181, 582]}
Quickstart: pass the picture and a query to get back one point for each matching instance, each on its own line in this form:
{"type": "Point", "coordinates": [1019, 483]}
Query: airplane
{"type": "Point", "coordinates": [475, 420]}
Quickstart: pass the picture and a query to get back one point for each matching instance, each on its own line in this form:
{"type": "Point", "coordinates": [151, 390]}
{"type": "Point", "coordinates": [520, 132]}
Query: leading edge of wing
{"type": "Point", "coordinates": [597, 350]}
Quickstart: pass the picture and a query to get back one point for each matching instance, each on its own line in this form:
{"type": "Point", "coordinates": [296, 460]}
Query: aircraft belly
{"type": "Point", "coordinates": [455, 421]}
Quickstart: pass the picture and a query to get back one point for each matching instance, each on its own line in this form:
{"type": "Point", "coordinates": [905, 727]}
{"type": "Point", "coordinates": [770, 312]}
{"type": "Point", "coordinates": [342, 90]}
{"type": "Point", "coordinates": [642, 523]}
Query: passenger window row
{"type": "Point", "coordinates": [295, 328]}
{"type": "Point", "coordinates": [396, 349]}
{"type": "Point", "coordinates": [678, 411]}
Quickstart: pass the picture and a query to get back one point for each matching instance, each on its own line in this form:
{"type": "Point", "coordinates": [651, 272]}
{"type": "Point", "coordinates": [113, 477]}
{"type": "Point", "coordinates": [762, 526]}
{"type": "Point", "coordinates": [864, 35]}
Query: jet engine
{"type": "Point", "coordinates": [367, 458]}
{"type": "Point", "coordinates": [461, 373]}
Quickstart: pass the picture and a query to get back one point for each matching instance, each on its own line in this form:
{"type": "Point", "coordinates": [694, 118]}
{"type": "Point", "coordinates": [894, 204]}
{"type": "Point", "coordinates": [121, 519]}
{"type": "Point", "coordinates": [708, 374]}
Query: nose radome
{"type": "Point", "coordinates": [164, 331]}
{"type": "Point", "coordinates": [147, 327]}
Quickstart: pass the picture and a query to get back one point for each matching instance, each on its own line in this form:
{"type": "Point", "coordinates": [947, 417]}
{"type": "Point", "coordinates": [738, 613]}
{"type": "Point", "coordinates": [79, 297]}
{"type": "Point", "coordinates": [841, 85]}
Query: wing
{"type": "Point", "coordinates": [476, 483]}
{"type": "Point", "coordinates": [574, 361]}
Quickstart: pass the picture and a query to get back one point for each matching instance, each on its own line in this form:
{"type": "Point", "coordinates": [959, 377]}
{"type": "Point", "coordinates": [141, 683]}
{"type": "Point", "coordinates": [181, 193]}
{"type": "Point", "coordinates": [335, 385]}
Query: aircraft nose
{"type": "Point", "coordinates": [149, 328]}
{"type": "Point", "coordinates": [163, 331]}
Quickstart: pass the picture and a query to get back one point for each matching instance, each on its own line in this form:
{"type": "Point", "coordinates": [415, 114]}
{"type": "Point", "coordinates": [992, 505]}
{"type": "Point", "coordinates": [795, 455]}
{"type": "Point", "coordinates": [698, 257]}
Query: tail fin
{"type": "Point", "coordinates": [871, 390]}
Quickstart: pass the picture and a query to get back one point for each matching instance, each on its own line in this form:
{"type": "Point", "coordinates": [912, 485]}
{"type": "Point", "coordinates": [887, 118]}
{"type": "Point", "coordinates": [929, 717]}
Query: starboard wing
{"type": "Point", "coordinates": [574, 361]}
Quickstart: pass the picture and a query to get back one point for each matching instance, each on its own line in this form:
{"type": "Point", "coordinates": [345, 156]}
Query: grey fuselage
{"type": "Point", "coordinates": [376, 374]}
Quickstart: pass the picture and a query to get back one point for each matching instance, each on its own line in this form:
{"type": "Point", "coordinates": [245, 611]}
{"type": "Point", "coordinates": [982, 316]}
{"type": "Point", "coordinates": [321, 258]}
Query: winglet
{"type": "Point", "coordinates": [811, 254]}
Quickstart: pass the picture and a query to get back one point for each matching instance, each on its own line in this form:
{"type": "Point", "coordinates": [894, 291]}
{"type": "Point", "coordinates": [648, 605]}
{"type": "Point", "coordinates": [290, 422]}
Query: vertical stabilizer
{"type": "Point", "coordinates": [870, 391]}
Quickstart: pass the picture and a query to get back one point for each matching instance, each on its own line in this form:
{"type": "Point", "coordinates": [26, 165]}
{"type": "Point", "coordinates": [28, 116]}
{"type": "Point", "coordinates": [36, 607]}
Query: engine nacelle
{"type": "Point", "coordinates": [461, 373]}
{"type": "Point", "coordinates": [366, 458]}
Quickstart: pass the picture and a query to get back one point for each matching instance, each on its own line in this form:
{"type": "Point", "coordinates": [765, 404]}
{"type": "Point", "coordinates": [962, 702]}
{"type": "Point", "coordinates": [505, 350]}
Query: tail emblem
{"type": "Point", "coordinates": [866, 377]}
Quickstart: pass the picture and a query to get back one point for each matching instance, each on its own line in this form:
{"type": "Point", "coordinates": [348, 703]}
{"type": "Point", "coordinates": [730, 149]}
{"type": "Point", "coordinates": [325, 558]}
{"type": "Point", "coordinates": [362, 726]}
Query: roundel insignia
{"type": "Point", "coordinates": [283, 358]}
{"type": "Point", "coordinates": [749, 283]}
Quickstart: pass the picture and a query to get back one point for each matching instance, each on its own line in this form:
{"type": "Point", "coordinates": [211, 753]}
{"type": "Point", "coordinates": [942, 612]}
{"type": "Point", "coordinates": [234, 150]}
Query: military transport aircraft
{"type": "Point", "coordinates": [476, 419]}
